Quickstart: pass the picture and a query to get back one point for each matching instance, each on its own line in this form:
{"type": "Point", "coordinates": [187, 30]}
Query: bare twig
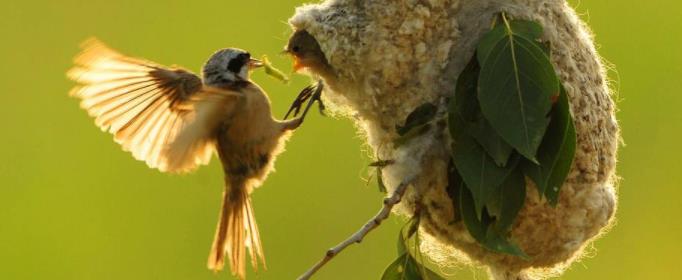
{"type": "Point", "coordinates": [357, 237]}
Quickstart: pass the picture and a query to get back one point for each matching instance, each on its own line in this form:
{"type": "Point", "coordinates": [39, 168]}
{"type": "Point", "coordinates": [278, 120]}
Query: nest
{"type": "Point", "coordinates": [391, 56]}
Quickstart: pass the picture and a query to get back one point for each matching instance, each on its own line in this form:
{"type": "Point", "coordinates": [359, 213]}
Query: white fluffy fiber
{"type": "Point", "coordinates": [393, 55]}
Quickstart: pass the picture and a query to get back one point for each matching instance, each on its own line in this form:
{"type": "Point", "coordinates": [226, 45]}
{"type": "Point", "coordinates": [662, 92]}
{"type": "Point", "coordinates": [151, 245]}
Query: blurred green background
{"type": "Point", "coordinates": [74, 206]}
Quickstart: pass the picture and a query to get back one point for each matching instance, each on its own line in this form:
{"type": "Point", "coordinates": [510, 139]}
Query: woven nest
{"type": "Point", "coordinates": [391, 56]}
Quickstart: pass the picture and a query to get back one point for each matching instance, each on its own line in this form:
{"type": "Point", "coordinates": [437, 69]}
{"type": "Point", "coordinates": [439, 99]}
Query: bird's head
{"type": "Point", "coordinates": [307, 53]}
{"type": "Point", "coordinates": [229, 66]}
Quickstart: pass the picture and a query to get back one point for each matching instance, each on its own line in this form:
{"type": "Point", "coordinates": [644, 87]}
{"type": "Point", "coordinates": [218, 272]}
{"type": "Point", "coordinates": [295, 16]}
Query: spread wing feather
{"type": "Point", "coordinates": [163, 116]}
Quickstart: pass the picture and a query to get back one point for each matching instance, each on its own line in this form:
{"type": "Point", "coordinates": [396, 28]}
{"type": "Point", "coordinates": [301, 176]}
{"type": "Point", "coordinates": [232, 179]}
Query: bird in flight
{"type": "Point", "coordinates": [174, 121]}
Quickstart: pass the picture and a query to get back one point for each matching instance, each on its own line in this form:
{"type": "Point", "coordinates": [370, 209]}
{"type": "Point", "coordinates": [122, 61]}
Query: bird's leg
{"type": "Point", "coordinates": [293, 123]}
{"type": "Point", "coordinates": [316, 96]}
{"type": "Point", "coordinates": [300, 99]}
{"type": "Point", "coordinates": [311, 94]}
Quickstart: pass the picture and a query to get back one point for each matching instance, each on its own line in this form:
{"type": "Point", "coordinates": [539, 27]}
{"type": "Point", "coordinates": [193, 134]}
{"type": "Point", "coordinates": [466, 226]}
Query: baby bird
{"type": "Point", "coordinates": [307, 53]}
{"type": "Point", "coordinates": [174, 120]}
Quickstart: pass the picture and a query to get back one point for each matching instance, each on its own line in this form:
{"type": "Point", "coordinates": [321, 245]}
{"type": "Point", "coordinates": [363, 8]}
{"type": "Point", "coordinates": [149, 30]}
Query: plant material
{"type": "Point", "coordinates": [483, 229]}
{"type": "Point", "coordinates": [455, 183]}
{"type": "Point", "coordinates": [406, 266]}
{"type": "Point", "coordinates": [380, 164]}
{"type": "Point", "coordinates": [377, 78]}
{"type": "Point", "coordinates": [556, 152]}
{"type": "Point", "coordinates": [357, 237]}
{"type": "Point", "coordinates": [420, 116]}
{"type": "Point", "coordinates": [417, 123]}
{"type": "Point", "coordinates": [516, 84]}
{"type": "Point", "coordinates": [504, 127]}
{"type": "Point", "coordinates": [274, 72]}
{"type": "Point", "coordinates": [468, 116]}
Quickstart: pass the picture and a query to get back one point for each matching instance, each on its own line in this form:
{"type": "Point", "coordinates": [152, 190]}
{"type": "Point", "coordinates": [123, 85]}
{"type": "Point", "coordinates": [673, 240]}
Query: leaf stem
{"type": "Point", "coordinates": [510, 33]}
{"type": "Point", "coordinates": [357, 237]}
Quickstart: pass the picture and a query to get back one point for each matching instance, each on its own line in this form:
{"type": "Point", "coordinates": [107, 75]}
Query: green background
{"type": "Point", "coordinates": [74, 206]}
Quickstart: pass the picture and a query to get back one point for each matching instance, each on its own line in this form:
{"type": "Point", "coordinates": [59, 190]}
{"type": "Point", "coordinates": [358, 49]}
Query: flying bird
{"type": "Point", "coordinates": [174, 121]}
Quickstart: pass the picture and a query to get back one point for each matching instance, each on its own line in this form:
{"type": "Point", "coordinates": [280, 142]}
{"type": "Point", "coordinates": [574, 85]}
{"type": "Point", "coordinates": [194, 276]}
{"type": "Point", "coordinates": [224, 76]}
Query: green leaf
{"type": "Point", "coordinates": [411, 134]}
{"type": "Point", "coordinates": [546, 48]}
{"type": "Point", "coordinates": [401, 269]}
{"type": "Point", "coordinates": [478, 170]}
{"type": "Point", "coordinates": [528, 29]}
{"type": "Point", "coordinates": [516, 84]}
{"type": "Point", "coordinates": [382, 163]}
{"type": "Point", "coordinates": [412, 227]}
{"type": "Point", "coordinates": [420, 116]}
{"type": "Point", "coordinates": [380, 181]}
{"type": "Point", "coordinates": [556, 152]}
{"type": "Point", "coordinates": [465, 106]}
{"type": "Point", "coordinates": [508, 201]}
{"type": "Point", "coordinates": [467, 208]}
{"type": "Point", "coordinates": [402, 243]}
{"type": "Point", "coordinates": [480, 173]}
{"type": "Point", "coordinates": [453, 188]}
{"type": "Point", "coordinates": [416, 124]}
{"type": "Point", "coordinates": [495, 241]}
{"type": "Point", "coordinates": [482, 229]}
{"type": "Point", "coordinates": [491, 142]}
{"type": "Point", "coordinates": [405, 267]}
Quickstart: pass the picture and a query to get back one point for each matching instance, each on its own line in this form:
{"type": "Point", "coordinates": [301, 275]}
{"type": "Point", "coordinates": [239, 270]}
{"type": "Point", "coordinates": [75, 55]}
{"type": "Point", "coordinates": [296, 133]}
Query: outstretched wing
{"type": "Point", "coordinates": [163, 116]}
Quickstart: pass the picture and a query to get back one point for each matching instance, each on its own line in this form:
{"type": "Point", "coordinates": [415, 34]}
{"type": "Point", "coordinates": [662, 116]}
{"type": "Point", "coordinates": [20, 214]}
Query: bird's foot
{"type": "Point", "coordinates": [311, 94]}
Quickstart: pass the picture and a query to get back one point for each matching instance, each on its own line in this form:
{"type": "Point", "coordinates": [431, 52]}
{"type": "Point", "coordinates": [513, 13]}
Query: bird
{"type": "Point", "coordinates": [307, 55]}
{"type": "Point", "coordinates": [175, 120]}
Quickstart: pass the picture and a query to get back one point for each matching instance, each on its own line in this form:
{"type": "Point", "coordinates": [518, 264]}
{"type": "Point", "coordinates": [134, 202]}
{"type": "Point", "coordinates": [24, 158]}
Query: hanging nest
{"type": "Point", "coordinates": [391, 56]}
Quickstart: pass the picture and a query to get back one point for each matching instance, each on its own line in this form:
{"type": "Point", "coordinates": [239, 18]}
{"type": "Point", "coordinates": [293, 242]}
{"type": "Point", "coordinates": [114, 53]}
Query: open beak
{"type": "Point", "coordinates": [297, 64]}
{"type": "Point", "coordinates": [255, 63]}
{"type": "Point", "coordinates": [297, 61]}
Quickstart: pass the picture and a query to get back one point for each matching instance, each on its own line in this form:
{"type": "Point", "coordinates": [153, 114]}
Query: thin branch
{"type": "Point", "coordinates": [357, 237]}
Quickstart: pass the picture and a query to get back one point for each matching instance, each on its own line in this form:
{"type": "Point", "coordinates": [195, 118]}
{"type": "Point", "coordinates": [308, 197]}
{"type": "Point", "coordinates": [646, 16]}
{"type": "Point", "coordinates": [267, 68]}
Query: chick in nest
{"type": "Point", "coordinates": [307, 54]}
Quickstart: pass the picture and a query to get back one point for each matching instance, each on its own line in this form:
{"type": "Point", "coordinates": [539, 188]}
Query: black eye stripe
{"type": "Point", "coordinates": [238, 62]}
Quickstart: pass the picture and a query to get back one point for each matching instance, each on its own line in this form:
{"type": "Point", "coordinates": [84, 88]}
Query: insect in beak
{"type": "Point", "coordinates": [255, 63]}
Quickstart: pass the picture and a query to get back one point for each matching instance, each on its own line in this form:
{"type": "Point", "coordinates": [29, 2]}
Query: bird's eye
{"type": "Point", "coordinates": [296, 49]}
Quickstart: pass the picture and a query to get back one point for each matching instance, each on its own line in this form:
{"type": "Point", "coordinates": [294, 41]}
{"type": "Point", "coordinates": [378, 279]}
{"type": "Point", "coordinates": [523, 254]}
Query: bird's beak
{"type": "Point", "coordinates": [297, 64]}
{"type": "Point", "coordinates": [255, 63]}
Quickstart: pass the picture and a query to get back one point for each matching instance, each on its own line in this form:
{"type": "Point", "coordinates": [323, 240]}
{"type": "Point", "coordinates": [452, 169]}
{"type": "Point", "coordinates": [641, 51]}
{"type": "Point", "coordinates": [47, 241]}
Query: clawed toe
{"type": "Point", "coordinates": [310, 94]}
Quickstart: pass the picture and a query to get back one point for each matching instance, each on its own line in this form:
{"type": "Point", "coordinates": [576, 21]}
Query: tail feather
{"type": "Point", "coordinates": [253, 238]}
{"type": "Point", "coordinates": [236, 230]}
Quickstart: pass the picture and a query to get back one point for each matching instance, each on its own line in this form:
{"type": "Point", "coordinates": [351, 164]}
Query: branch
{"type": "Point", "coordinates": [357, 237]}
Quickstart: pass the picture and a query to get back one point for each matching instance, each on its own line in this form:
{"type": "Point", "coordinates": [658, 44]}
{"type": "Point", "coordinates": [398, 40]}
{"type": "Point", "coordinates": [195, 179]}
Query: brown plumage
{"type": "Point", "coordinates": [174, 121]}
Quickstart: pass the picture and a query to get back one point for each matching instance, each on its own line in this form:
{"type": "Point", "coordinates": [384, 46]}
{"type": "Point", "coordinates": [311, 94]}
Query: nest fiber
{"type": "Point", "coordinates": [390, 56]}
